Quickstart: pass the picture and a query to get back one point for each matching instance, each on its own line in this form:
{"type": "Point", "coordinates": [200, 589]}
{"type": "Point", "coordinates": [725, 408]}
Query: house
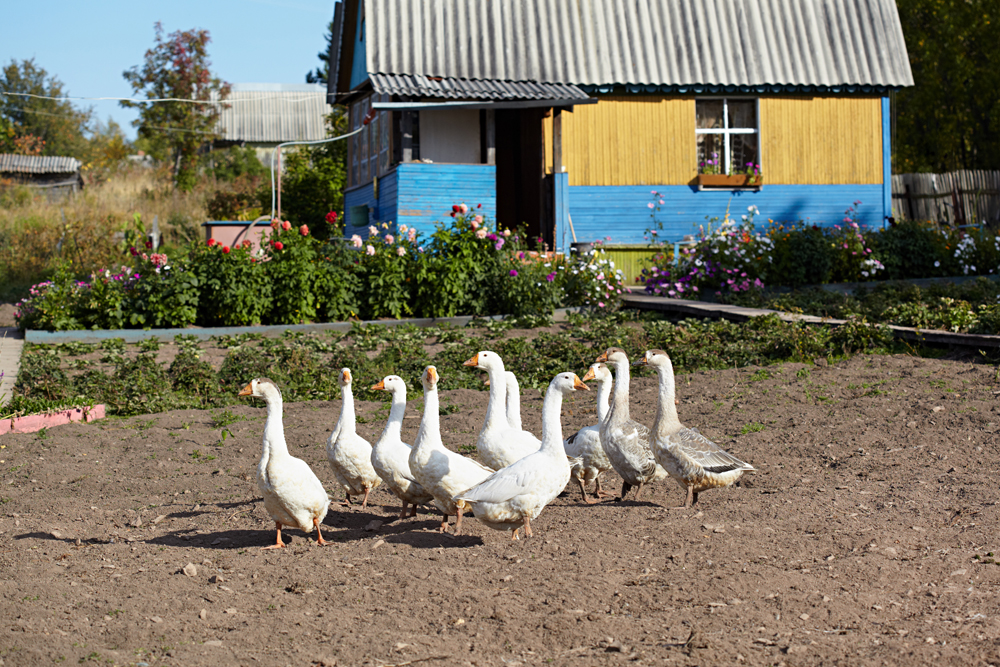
{"type": "Point", "coordinates": [565, 115]}
{"type": "Point", "coordinates": [263, 115]}
{"type": "Point", "coordinates": [57, 175]}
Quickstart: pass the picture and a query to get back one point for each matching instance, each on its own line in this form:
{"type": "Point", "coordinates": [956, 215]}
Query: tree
{"type": "Point", "coordinates": [950, 118]}
{"type": "Point", "coordinates": [320, 74]}
{"type": "Point", "coordinates": [177, 68]}
{"type": "Point", "coordinates": [35, 125]}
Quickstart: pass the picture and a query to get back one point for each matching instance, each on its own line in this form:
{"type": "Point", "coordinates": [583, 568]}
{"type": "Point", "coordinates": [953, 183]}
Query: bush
{"type": "Point", "coordinates": [162, 295]}
{"type": "Point", "coordinates": [592, 281]}
{"type": "Point", "coordinates": [800, 256]}
{"type": "Point", "coordinates": [235, 290]}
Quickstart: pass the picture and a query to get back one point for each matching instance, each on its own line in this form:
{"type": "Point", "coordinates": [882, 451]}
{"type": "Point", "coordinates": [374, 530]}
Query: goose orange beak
{"type": "Point", "coordinates": [246, 391]}
{"type": "Point", "coordinates": [380, 386]}
{"type": "Point", "coordinates": [474, 361]}
{"type": "Point", "coordinates": [577, 384]}
{"type": "Point", "coordinates": [589, 375]}
{"type": "Point", "coordinates": [345, 377]}
{"type": "Point", "coordinates": [432, 375]}
{"type": "Point", "coordinates": [603, 357]}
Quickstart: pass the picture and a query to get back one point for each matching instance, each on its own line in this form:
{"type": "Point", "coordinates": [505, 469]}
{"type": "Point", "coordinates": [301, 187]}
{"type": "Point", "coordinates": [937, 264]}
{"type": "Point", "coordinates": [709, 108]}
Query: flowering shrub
{"type": "Point", "coordinates": [385, 270]}
{"type": "Point", "coordinates": [851, 254]}
{"type": "Point", "coordinates": [234, 289]}
{"type": "Point", "coordinates": [291, 263]}
{"type": "Point", "coordinates": [593, 281]}
{"type": "Point", "coordinates": [161, 294]}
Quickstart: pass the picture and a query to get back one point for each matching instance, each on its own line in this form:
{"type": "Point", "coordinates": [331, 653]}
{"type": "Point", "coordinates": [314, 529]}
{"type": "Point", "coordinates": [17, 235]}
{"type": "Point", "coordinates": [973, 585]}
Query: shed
{"type": "Point", "coordinates": [58, 175]}
{"type": "Point", "coordinates": [263, 115]}
{"type": "Point", "coordinates": [552, 110]}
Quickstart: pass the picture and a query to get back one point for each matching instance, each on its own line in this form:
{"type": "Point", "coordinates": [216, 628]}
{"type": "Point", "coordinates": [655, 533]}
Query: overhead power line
{"type": "Point", "coordinates": [254, 98]}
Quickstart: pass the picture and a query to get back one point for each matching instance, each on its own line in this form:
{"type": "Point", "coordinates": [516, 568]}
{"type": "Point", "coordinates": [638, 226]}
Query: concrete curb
{"type": "Point", "coordinates": [32, 423]}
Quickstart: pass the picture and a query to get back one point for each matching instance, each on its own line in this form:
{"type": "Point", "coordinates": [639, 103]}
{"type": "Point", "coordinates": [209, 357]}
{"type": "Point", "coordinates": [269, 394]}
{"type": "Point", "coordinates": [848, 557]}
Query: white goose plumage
{"type": "Point", "coordinates": [513, 496]}
{"type": "Point", "coordinates": [349, 454]}
{"type": "Point", "coordinates": [588, 459]}
{"type": "Point", "coordinates": [391, 456]}
{"type": "Point", "coordinates": [626, 441]}
{"type": "Point", "coordinates": [440, 471]}
{"type": "Point", "coordinates": [693, 460]}
{"type": "Point", "coordinates": [498, 444]}
{"type": "Point", "coordinates": [293, 494]}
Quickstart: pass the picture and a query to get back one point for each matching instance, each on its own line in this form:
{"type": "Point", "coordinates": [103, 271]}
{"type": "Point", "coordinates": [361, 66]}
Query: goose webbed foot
{"type": "Point", "coordinates": [458, 522]}
{"type": "Point", "coordinates": [319, 535]}
{"type": "Point", "coordinates": [280, 543]}
{"type": "Point", "coordinates": [364, 503]}
{"type": "Point", "coordinates": [601, 493]}
{"type": "Point", "coordinates": [527, 527]}
{"type": "Point", "coordinates": [583, 490]}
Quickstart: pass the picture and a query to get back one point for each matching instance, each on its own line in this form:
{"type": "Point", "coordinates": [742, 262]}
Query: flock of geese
{"type": "Point", "coordinates": [520, 474]}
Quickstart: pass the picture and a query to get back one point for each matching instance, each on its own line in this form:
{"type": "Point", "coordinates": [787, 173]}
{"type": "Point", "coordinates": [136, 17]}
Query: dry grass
{"type": "Point", "coordinates": [90, 225]}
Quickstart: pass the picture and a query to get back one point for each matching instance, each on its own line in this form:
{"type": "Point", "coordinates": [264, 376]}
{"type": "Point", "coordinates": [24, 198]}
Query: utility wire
{"type": "Point", "coordinates": [256, 98]}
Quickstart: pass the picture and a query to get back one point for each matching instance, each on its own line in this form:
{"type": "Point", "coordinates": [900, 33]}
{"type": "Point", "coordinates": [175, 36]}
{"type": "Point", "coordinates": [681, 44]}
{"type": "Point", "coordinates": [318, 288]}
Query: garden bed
{"type": "Point", "coordinates": [866, 536]}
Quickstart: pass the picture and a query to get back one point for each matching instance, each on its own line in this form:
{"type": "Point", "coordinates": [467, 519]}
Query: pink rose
{"type": "Point", "coordinates": [356, 241]}
{"type": "Point", "coordinates": [474, 224]}
{"type": "Point", "coordinates": [506, 233]}
{"type": "Point", "coordinates": [370, 249]}
{"type": "Point", "coordinates": [480, 233]}
{"type": "Point", "coordinates": [286, 225]}
{"type": "Point", "coordinates": [389, 238]}
{"type": "Point", "coordinates": [479, 219]}
{"type": "Point", "coordinates": [400, 250]}
{"type": "Point", "coordinates": [304, 230]}
{"type": "Point", "coordinates": [463, 209]}
{"type": "Point", "coordinates": [411, 233]}
{"type": "Point", "coordinates": [278, 245]}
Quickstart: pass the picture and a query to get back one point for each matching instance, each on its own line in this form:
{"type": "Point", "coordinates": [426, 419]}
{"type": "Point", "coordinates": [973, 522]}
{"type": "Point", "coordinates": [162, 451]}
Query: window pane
{"type": "Point", "coordinates": [744, 152]}
{"type": "Point", "coordinates": [708, 114]}
{"type": "Point", "coordinates": [743, 113]}
{"type": "Point", "coordinates": [710, 148]}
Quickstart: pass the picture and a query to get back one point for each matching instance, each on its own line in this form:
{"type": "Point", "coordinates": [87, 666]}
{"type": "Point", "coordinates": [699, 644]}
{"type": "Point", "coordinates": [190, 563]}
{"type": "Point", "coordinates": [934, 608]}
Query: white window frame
{"type": "Point", "coordinates": [726, 131]}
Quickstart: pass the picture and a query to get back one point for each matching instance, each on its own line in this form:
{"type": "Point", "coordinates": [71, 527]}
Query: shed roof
{"type": "Point", "coordinates": [273, 113]}
{"type": "Point", "coordinates": [405, 84]}
{"type": "Point", "coordinates": [38, 164]}
{"type": "Point", "coordinates": [753, 45]}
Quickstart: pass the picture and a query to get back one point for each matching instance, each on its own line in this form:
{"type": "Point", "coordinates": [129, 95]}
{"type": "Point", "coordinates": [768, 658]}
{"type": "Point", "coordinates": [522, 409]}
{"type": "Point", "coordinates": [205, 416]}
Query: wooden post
{"type": "Point", "coordinates": [557, 162]}
{"type": "Point", "coordinates": [407, 138]}
{"type": "Point", "coordinates": [491, 137]}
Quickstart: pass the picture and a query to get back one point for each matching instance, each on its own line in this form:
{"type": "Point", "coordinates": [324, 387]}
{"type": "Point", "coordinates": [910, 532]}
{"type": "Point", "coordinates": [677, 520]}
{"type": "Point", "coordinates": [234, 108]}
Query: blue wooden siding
{"type": "Point", "coordinates": [622, 212]}
{"type": "Point", "coordinates": [563, 236]}
{"type": "Point", "coordinates": [359, 68]}
{"type": "Point", "coordinates": [886, 160]}
{"type": "Point", "coordinates": [426, 192]}
{"type": "Point", "coordinates": [383, 210]}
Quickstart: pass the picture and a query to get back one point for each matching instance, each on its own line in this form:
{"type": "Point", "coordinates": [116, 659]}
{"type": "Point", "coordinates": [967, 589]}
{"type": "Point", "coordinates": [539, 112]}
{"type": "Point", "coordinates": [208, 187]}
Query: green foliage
{"type": "Point", "coordinates": [910, 249]}
{"type": "Point", "coordinates": [291, 269]}
{"type": "Point", "coordinates": [337, 286]}
{"type": "Point", "coordinates": [40, 375]}
{"type": "Point", "coordinates": [234, 163]}
{"type": "Point", "coordinates": [945, 122]}
{"type": "Point", "coordinates": [234, 287]}
{"type": "Point", "coordinates": [858, 335]}
{"type": "Point", "coordinates": [800, 256]}
{"type": "Point", "coordinates": [164, 296]}
{"type": "Point", "coordinates": [177, 67]}
{"type": "Point", "coordinates": [51, 127]}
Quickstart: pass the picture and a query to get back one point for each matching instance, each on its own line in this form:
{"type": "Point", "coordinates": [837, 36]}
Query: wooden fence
{"type": "Point", "coordinates": [955, 198]}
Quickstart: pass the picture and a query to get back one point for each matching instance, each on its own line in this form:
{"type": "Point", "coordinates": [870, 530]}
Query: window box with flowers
{"type": "Point", "coordinates": [728, 143]}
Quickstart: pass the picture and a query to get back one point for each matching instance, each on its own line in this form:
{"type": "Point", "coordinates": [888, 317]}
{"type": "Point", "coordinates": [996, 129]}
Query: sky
{"type": "Point", "coordinates": [87, 45]}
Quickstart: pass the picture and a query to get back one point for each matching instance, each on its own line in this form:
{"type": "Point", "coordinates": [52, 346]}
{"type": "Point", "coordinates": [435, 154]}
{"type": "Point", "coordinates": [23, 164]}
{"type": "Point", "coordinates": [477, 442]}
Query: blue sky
{"type": "Point", "coordinates": [87, 45]}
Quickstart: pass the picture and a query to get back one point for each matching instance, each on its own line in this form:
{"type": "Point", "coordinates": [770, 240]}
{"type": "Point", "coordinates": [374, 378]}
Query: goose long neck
{"type": "Point", "coordinates": [347, 423]}
{"type": "Point", "coordinates": [274, 432]}
{"type": "Point", "coordinates": [666, 408]}
{"type": "Point", "coordinates": [430, 423]}
{"type": "Point", "coordinates": [394, 427]}
{"type": "Point", "coordinates": [552, 440]}
{"type": "Point", "coordinates": [603, 399]}
{"type": "Point", "coordinates": [620, 405]}
{"type": "Point", "coordinates": [496, 409]}
{"type": "Point", "coordinates": [513, 403]}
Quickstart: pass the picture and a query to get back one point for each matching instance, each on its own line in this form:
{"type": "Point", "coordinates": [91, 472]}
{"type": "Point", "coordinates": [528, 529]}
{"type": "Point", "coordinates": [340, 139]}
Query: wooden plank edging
{"type": "Point", "coordinates": [742, 314]}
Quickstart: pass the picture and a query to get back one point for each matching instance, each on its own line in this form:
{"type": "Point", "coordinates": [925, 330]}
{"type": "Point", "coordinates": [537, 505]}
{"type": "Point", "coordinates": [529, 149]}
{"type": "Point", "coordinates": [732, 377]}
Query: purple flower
{"type": "Point", "coordinates": [513, 273]}
{"type": "Point", "coordinates": [499, 244]}
{"type": "Point", "coordinates": [551, 276]}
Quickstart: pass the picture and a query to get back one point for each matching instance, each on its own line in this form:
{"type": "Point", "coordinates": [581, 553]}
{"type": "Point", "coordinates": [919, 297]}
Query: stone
{"type": "Point", "coordinates": [203, 614]}
{"type": "Point", "coordinates": [190, 570]}
{"type": "Point", "coordinates": [215, 579]}
{"type": "Point", "coordinates": [373, 525]}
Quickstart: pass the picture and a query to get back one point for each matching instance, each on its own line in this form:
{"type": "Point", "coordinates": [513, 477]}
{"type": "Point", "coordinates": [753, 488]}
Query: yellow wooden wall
{"type": "Point", "coordinates": [650, 140]}
{"type": "Point", "coordinates": [821, 140]}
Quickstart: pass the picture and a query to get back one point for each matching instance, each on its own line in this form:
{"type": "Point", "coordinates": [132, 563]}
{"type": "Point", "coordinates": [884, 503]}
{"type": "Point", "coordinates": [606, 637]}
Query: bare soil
{"type": "Point", "coordinates": [865, 538]}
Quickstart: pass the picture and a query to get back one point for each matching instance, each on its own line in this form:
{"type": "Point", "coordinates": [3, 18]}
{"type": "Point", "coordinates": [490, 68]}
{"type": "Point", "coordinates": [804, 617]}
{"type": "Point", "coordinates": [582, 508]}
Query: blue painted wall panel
{"type": "Point", "coordinates": [560, 184]}
{"type": "Point", "coordinates": [426, 192]}
{"type": "Point", "coordinates": [886, 160]}
{"type": "Point", "coordinates": [383, 210]}
{"type": "Point", "coordinates": [359, 64]}
{"type": "Point", "coordinates": [622, 212]}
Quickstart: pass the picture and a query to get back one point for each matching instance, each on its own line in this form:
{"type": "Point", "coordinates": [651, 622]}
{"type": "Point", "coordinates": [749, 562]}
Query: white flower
{"type": "Point", "coordinates": [937, 263]}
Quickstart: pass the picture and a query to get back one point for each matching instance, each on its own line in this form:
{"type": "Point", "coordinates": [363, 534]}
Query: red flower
{"type": "Point", "coordinates": [211, 242]}
{"type": "Point", "coordinates": [455, 209]}
{"type": "Point", "coordinates": [453, 214]}
{"type": "Point", "coordinates": [246, 243]}
{"type": "Point", "coordinates": [225, 249]}
{"type": "Point", "coordinates": [278, 245]}
{"type": "Point", "coordinates": [331, 217]}
{"type": "Point", "coordinates": [149, 245]}
{"type": "Point", "coordinates": [135, 253]}
{"type": "Point", "coordinates": [304, 230]}
{"type": "Point", "coordinates": [286, 225]}
{"type": "Point", "coordinates": [479, 205]}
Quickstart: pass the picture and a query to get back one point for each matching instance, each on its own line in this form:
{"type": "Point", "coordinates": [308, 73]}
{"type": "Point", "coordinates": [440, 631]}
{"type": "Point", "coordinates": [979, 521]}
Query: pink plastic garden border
{"type": "Point", "coordinates": [32, 423]}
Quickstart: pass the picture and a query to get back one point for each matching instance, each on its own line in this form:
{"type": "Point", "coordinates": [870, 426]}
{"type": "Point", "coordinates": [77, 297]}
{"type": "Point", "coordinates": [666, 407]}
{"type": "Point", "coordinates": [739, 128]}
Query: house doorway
{"type": "Point", "coordinates": [521, 171]}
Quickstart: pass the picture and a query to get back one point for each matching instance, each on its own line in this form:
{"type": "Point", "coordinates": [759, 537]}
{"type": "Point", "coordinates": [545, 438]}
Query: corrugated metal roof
{"type": "Point", "coordinates": [38, 164]}
{"type": "Point", "coordinates": [272, 116]}
{"type": "Point", "coordinates": [741, 44]}
{"type": "Point", "coordinates": [404, 84]}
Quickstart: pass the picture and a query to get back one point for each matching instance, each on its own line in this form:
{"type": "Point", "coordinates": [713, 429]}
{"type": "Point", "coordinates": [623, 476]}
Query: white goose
{"type": "Point", "coordinates": [349, 454]}
{"type": "Point", "coordinates": [626, 441]}
{"type": "Point", "coordinates": [293, 494]}
{"type": "Point", "coordinates": [585, 447]}
{"type": "Point", "coordinates": [498, 444]}
{"type": "Point", "coordinates": [513, 496]}
{"type": "Point", "coordinates": [693, 460]}
{"type": "Point", "coordinates": [440, 471]}
{"type": "Point", "coordinates": [391, 456]}
{"type": "Point", "coordinates": [513, 401]}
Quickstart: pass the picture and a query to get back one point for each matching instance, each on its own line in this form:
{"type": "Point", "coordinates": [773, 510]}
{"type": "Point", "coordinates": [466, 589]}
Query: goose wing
{"type": "Point", "coordinates": [706, 453]}
{"type": "Point", "coordinates": [635, 445]}
{"type": "Point", "coordinates": [503, 485]}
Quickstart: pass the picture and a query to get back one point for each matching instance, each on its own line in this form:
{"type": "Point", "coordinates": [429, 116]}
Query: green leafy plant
{"type": "Point", "coordinates": [234, 287]}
